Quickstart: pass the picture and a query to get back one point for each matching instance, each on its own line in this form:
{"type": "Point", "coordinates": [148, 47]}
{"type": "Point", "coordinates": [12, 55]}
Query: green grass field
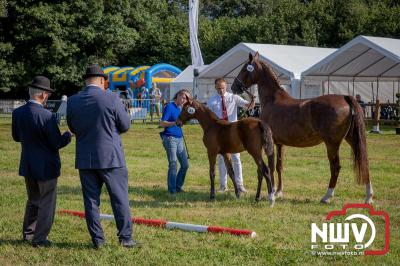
{"type": "Point", "coordinates": [283, 232]}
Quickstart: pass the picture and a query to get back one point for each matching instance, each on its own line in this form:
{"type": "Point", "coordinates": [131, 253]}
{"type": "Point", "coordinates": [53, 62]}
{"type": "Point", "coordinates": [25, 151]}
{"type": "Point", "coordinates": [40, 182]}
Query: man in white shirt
{"type": "Point", "coordinates": [225, 104]}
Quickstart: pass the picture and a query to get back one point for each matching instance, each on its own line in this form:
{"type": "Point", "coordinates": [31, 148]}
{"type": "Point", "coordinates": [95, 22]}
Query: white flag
{"type": "Point", "coordinates": [197, 59]}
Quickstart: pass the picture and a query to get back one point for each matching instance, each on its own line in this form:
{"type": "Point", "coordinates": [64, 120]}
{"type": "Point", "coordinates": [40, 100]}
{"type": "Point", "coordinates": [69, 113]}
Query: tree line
{"type": "Point", "coordinates": [60, 38]}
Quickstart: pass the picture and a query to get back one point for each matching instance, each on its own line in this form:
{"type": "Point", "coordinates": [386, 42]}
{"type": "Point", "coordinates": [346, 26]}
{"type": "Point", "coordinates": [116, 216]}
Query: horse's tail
{"type": "Point", "coordinates": [267, 141]}
{"type": "Point", "coordinates": [356, 138]}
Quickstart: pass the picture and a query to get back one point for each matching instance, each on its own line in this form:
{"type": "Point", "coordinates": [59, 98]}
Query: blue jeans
{"type": "Point", "coordinates": [175, 151]}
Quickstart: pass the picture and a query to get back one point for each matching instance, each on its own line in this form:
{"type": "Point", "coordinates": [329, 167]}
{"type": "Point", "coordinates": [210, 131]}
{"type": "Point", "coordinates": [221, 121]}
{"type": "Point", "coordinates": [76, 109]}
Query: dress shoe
{"type": "Point", "coordinates": [98, 245]}
{"type": "Point", "coordinates": [130, 244]}
{"type": "Point", "coordinates": [40, 244]}
{"type": "Point", "coordinates": [26, 238]}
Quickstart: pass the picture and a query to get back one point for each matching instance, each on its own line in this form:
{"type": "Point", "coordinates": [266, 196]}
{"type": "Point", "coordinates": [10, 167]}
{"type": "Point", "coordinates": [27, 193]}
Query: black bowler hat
{"type": "Point", "coordinates": [94, 71]}
{"type": "Point", "coordinates": [42, 83]}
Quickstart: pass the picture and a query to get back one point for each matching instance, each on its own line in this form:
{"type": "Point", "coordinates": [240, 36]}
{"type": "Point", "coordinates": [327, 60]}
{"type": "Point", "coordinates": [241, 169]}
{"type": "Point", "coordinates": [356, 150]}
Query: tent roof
{"type": "Point", "coordinates": [362, 57]}
{"type": "Point", "coordinates": [187, 74]}
{"type": "Point", "coordinates": [287, 61]}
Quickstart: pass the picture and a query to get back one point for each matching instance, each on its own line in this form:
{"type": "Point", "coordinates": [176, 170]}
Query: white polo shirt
{"type": "Point", "coordinates": [232, 102]}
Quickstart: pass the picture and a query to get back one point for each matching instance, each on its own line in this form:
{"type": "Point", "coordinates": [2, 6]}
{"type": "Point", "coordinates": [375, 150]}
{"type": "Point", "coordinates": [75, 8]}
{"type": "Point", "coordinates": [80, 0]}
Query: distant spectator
{"type": "Point", "coordinates": [155, 96]}
{"type": "Point", "coordinates": [360, 102]}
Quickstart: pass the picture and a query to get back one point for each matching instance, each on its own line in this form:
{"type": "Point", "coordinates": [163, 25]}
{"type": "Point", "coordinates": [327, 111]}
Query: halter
{"type": "Point", "coordinates": [243, 87]}
{"type": "Point", "coordinates": [249, 68]}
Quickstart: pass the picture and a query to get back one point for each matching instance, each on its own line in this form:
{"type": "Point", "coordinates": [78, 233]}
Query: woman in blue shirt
{"type": "Point", "coordinates": [173, 143]}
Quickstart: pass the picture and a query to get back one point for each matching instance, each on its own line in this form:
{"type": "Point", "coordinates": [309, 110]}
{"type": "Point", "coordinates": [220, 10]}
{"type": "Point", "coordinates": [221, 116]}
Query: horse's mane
{"type": "Point", "coordinates": [208, 110]}
{"type": "Point", "coordinates": [272, 74]}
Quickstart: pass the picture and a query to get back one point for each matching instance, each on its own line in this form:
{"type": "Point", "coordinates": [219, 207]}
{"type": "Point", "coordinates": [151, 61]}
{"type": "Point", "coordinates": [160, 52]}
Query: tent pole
{"type": "Point", "coordinates": [348, 87]}
{"type": "Point", "coordinates": [393, 92]}
{"type": "Point", "coordinates": [372, 88]}
{"type": "Point", "coordinates": [353, 86]}
{"type": "Point", "coordinates": [329, 84]}
{"type": "Point", "coordinates": [300, 87]}
{"type": "Point", "coordinates": [377, 88]}
{"type": "Point", "coordinates": [322, 86]}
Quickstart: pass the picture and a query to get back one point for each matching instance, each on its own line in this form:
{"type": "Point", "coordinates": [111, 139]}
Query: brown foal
{"type": "Point", "coordinates": [223, 137]}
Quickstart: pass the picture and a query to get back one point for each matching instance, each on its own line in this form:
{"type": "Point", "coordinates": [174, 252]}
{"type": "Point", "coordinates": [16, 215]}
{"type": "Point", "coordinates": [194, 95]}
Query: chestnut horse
{"type": "Point", "coordinates": [306, 123]}
{"type": "Point", "coordinates": [223, 137]}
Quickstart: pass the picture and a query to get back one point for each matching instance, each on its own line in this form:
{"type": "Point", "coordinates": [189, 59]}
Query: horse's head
{"type": "Point", "coordinates": [247, 75]}
{"type": "Point", "coordinates": [188, 112]}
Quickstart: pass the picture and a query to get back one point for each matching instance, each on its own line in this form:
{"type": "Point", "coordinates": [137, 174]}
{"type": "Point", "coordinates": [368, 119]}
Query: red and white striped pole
{"type": "Point", "coordinates": [173, 225]}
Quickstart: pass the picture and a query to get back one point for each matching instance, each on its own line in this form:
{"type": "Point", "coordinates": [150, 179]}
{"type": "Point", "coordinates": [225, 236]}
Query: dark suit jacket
{"type": "Point", "coordinates": [97, 118]}
{"type": "Point", "coordinates": [37, 130]}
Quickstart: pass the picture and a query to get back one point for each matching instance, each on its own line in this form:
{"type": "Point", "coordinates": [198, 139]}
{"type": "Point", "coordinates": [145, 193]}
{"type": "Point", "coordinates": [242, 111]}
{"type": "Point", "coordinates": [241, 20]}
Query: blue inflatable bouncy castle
{"type": "Point", "coordinates": [136, 82]}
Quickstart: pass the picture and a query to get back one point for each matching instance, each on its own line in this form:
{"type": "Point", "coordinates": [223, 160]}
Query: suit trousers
{"type": "Point", "coordinates": [116, 181]}
{"type": "Point", "coordinates": [40, 209]}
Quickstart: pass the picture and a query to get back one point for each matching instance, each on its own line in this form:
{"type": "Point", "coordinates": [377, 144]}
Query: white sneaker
{"type": "Point", "coordinates": [242, 189]}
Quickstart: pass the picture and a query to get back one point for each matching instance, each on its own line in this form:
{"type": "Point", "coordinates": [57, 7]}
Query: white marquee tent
{"type": "Point", "coordinates": [288, 62]}
{"type": "Point", "coordinates": [369, 66]}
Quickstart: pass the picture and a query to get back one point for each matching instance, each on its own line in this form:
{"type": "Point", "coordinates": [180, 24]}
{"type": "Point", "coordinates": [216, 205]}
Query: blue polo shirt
{"type": "Point", "coordinates": [170, 114]}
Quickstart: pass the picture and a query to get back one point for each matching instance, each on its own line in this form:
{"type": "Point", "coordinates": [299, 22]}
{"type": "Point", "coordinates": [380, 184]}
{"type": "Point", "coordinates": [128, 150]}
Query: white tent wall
{"type": "Point", "coordinates": [184, 80]}
{"type": "Point", "coordinates": [368, 90]}
{"type": "Point", "coordinates": [207, 88]}
{"type": "Point", "coordinates": [177, 86]}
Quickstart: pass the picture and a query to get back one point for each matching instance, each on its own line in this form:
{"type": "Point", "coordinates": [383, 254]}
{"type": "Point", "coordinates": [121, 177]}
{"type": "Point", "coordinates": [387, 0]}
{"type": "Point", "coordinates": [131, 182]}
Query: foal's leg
{"type": "Point", "coordinates": [279, 169]}
{"type": "Point", "coordinates": [260, 178]}
{"type": "Point", "coordinates": [212, 160]}
{"type": "Point", "coordinates": [334, 161]}
{"type": "Point", "coordinates": [266, 174]}
{"type": "Point", "coordinates": [229, 168]}
{"type": "Point", "coordinates": [263, 170]}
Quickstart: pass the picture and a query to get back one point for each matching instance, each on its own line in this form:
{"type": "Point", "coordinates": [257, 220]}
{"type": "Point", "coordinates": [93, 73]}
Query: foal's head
{"type": "Point", "coordinates": [248, 75]}
{"type": "Point", "coordinates": [188, 112]}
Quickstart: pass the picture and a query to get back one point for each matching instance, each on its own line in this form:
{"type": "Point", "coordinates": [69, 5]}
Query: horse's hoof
{"type": "Point", "coordinates": [279, 194]}
{"type": "Point", "coordinates": [271, 203]}
{"type": "Point", "coordinates": [238, 196]}
{"type": "Point", "coordinates": [212, 197]}
{"type": "Point", "coordinates": [325, 200]}
{"type": "Point", "coordinates": [258, 199]}
{"type": "Point", "coordinates": [271, 200]}
{"type": "Point", "coordinates": [369, 200]}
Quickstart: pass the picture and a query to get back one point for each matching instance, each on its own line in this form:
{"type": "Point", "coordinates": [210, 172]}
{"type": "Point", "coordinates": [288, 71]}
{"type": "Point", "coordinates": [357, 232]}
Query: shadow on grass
{"type": "Point", "coordinates": [161, 198]}
{"type": "Point", "coordinates": [24, 243]}
{"type": "Point", "coordinates": [157, 196]}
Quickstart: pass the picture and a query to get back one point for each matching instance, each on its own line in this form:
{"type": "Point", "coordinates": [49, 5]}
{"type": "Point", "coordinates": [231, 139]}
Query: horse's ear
{"type": "Point", "coordinates": [250, 57]}
{"type": "Point", "coordinates": [257, 56]}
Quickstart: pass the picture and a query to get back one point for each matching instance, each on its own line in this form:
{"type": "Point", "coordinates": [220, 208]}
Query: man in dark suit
{"type": "Point", "coordinates": [97, 117]}
{"type": "Point", "coordinates": [37, 130]}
